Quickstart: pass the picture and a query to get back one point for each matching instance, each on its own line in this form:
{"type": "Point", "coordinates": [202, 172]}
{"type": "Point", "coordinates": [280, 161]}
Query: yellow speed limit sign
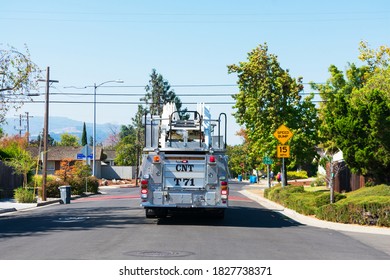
{"type": "Point", "coordinates": [283, 151]}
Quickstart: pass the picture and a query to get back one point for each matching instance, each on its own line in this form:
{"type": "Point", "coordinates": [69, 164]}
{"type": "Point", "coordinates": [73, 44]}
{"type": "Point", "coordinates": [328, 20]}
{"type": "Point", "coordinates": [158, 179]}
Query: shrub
{"type": "Point", "coordinates": [296, 198]}
{"type": "Point", "coordinates": [319, 181]}
{"type": "Point", "coordinates": [357, 209]}
{"type": "Point", "coordinates": [380, 190]}
{"type": "Point", "coordinates": [361, 211]}
{"type": "Point", "coordinates": [82, 185]}
{"type": "Point", "coordinates": [25, 195]}
{"type": "Point", "coordinates": [291, 175]}
{"type": "Point", "coordinates": [52, 188]}
{"type": "Point", "coordinates": [323, 198]}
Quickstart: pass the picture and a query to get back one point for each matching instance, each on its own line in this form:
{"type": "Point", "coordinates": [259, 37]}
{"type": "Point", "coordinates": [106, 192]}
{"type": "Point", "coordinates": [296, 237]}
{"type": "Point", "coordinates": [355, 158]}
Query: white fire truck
{"type": "Point", "coordinates": [184, 165]}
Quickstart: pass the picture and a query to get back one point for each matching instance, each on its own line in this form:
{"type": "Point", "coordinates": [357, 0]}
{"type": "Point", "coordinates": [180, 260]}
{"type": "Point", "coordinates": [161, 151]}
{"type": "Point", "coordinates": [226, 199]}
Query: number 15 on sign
{"type": "Point", "coordinates": [283, 151]}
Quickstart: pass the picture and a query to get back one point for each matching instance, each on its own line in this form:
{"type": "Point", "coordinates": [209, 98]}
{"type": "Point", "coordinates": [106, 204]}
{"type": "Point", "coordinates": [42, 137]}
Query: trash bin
{"type": "Point", "coordinates": [239, 178]}
{"type": "Point", "coordinates": [253, 179]}
{"type": "Point", "coordinates": [65, 194]}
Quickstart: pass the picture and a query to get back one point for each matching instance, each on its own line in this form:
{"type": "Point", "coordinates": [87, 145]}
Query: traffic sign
{"type": "Point", "coordinates": [283, 134]}
{"type": "Point", "coordinates": [80, 156]}
{"type": "Point", "coordinates": [267, 160]}
{"type": "Point", "coordinates": [283, 151]}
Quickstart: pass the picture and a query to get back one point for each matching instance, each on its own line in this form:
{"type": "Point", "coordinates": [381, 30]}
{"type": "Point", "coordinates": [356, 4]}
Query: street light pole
{"type": "Point", "coordinates": [94, 123]}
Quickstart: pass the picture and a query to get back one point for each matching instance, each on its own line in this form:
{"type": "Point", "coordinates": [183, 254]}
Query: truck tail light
{"type": "Point", "coordinates": [156, 159]}
{"type": "Point", "coordinates": [144, 183]}
{"type": "Point", "coordinates": [144, 189]}
{"type": "Point", "coordinates": [144, 193]}
{"type": "Point", "coordinates": [224, 190]}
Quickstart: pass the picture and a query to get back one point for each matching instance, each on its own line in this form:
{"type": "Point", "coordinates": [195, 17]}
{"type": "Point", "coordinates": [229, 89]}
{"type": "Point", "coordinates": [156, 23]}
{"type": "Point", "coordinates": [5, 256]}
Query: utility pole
{"type": "Point", "coordinates": [28, 125]}
{"type": "Point", "coordinates": [20, 128]}
{"type": "Point", "coordinates": [45, 131]}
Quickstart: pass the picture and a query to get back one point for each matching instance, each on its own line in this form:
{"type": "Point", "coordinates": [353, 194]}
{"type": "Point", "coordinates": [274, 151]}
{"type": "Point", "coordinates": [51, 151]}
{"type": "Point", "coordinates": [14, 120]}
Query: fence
{"type": "Point", "coordinates": [118, 172]}
{"type": "Point", "coordinates": [8, 181]}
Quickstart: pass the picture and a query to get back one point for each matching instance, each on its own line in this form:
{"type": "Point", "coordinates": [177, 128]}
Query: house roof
{"type": "Point", "coordinates": [111, 154]}
{"type": "Point", "coordinates": [56, 153]}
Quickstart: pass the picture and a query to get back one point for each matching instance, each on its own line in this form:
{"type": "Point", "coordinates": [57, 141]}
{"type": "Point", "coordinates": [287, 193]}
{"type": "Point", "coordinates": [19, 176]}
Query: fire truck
{"type": "Point", "coordinates": [184, 163]}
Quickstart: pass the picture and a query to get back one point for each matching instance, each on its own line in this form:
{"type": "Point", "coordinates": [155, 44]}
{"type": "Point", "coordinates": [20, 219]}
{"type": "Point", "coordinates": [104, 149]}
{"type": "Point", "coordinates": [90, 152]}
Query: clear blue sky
{"type": "Point", "coordinates": [188, 42]}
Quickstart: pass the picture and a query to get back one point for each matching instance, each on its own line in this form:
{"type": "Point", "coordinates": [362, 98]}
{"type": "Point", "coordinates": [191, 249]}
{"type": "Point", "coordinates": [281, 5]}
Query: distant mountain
{"type": "Point", "coordinates": [58, 126]}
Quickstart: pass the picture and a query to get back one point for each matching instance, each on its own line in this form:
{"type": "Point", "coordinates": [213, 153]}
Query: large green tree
{"type": "Point", "coordinates": [159, 93]}
{"type": "Point", "coordinates": [269, 97]}
{"type": "Point", "coordinates": [18, 76]}
{"type": "Point", "coordinates": [69, 140]}
{"type": "Point", "coordinates": [84, 140]}
{"type": "Point", "coordinates": [131, 140]}
{"type": "Point", "coordinates": [355, 114]}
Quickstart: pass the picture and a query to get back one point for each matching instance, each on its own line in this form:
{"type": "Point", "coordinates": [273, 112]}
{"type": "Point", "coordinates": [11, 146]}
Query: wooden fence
{"type": "Point", "coordinates": [8, 181]}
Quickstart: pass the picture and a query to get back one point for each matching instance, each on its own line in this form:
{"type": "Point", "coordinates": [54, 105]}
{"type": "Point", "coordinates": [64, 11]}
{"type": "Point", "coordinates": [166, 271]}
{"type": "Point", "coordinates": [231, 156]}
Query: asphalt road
{"type": "Point", "coordinates": [113, 226]}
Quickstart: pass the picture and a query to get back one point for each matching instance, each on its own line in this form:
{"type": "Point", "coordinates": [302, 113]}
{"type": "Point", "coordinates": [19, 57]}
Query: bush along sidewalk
{"type": "Point", "coordinates": [366, 206]}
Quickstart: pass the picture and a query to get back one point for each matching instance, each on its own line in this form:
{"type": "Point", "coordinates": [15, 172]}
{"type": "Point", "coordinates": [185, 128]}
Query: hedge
{"type": "Point", "coordinates": [77, 186]}
{"type": "Point", "coordinates": [293, 175]}
{"type": "Point", "coordinates": [366, 206]}
{"type": "Point", "coordinates": [296, 198]}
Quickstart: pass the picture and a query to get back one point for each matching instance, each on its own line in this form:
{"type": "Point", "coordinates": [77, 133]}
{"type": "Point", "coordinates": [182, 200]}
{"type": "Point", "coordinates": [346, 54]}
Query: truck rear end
{"type": "Point", "coordinates": [189, 174]}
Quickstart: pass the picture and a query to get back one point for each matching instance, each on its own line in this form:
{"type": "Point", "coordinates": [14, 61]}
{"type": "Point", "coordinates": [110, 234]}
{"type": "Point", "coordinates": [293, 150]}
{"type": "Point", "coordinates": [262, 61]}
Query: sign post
{"type": "Point", "coordinates": [283, 134]}
{"type": "Point", "coordinates": [268, 161]}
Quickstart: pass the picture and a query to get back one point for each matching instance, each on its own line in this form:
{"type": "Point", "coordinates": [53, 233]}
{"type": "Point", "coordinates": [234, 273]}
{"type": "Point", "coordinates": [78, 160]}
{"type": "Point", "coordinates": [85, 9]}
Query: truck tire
{"type": "Point", "coordinates": [150, 213]}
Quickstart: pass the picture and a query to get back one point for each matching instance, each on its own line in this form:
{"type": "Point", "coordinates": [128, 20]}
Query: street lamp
{"type": "Point", "coordinates": [94, 122]}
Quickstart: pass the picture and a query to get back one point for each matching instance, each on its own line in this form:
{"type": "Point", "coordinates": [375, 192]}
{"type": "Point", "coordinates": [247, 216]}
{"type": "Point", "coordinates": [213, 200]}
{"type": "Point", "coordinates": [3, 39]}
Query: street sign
{"type": "Point", "coordinates": [267, 160]}
{"type": "Point", "coordinates": [283, 134]}
{"type": "Point", "coordinates": [283, 151]}
{"type": "Point", "coordinates": [80, 156]}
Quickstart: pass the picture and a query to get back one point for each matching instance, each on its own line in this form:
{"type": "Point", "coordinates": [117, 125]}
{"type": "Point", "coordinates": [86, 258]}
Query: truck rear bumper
{"type": "Point", "coordinates": [174, 206]}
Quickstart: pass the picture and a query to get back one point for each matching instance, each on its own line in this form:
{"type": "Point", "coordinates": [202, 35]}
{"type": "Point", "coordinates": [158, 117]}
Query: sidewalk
{"type": "Point", "coordinates": [256, 191]}
{"type": "Point", "coordinates": [10, 205]}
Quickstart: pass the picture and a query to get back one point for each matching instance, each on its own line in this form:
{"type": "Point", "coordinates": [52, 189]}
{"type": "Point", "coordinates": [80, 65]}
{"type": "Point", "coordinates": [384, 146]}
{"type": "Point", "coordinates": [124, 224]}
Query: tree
{"type": "Point", "coordinates": [18, 76]}
{"type": "Point", "coordinates": [91, 140]}
{"type": "Point", "coordinates": [355, 116]}
{"type": "Point", "coordinates": [84, 136]}
{"type": "Point", "coordinates": [39, 142]}
{"type": "Point", "coordinates": [22, 163]}
{"type": "Point", "coordinates": [335, 167]}
{"type": "Point", "coordinates": [159, 93]}
{"type": "Point", "coordinates": [126, 150]}
{"type": "Point", "coordinates": [69, 140]}
{"type": "Point", "coordinates": [268, 97]}
{"type": "Point", "coordinates": [66, 170]}
{"type": "Point", "coordinates": [131, 140]}
{"type": "Point", "coordinates": [13, 153]}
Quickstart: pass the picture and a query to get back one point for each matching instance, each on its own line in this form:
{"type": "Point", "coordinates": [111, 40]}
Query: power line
{"type": "Point", "coordinates": [118, 102]}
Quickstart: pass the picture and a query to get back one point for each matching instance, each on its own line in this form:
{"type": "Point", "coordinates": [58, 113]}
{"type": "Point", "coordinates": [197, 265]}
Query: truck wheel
{"type": "Point", "coordinates": [150, 213]}
{"type": "Point", "coordinates": [161, 213]}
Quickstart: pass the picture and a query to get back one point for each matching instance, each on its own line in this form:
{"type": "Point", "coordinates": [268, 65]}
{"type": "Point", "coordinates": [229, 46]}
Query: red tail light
{"type": "Point", "coordinates": [224, 192]}
{"type": "Point", "coordinates": [144, 191]}
{"type": "Point", "coordinates": [144, 183]}
{"type": "Point", "coordinates": [212, 159]}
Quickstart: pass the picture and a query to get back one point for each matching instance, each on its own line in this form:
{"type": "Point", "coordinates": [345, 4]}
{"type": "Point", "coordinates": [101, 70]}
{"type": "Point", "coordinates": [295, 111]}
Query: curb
{"type": "Point", "coordinates": [311, 221]}
{"type": "Point", "coordinates": [7, 210]}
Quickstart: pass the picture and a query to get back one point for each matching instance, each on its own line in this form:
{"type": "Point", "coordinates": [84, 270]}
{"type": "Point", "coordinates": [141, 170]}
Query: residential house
{"type": "Point", "coordinates": [56, 154]}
